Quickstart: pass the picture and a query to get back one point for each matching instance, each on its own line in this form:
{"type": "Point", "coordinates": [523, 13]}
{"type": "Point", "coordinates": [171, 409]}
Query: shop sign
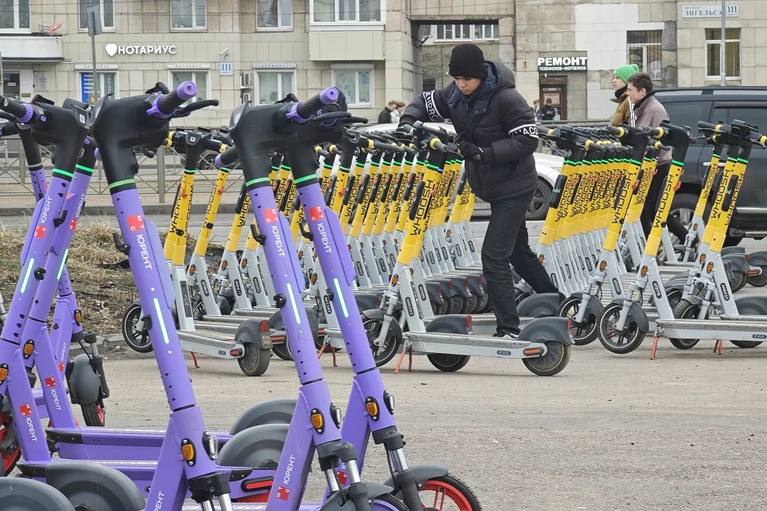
{"type": "Point", "coordinates": [563, 63]}
{"type": "Point", "coordinates": [113, 49]}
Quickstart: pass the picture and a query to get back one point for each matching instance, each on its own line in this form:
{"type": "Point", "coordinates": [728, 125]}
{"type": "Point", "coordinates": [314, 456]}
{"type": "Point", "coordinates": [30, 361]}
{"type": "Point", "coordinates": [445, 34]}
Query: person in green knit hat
{"type": "Point", "coordinates": [620, 79]}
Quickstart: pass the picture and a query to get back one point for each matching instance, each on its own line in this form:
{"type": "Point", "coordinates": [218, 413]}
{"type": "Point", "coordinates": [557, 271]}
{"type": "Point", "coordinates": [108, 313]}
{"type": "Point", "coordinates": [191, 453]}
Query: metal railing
{"type": "Point", "coordinates": [159, 175]}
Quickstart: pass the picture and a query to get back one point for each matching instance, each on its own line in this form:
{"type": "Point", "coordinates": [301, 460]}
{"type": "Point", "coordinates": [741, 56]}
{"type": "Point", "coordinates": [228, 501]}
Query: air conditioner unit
{"type": "Point", "coordinates": [246, 80]}
{"type": "Point", "coordinates": [247, 97]}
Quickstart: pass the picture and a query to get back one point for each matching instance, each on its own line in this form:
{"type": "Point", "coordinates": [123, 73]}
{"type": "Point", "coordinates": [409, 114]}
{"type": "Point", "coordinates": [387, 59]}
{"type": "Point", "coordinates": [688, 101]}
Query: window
{"type": "Point", "coordinates": [356, 84]}
{"type": "Point", "coordinates": [14, 14]}
{"type": "Point", "coordinates": [274, 14]}
{"type": "Point", "coordinates": [687, 113]}
{"type": "Point", "coordinates": [429, 84]}
{"type": "Point", "coordinates": [106, 8]}
{"type": "Point", "coordinates": [731, 52]}
{"type": "Point", "coordinates": [346, 11]}
{"type": "Point", "coordinates": [751, 114]}
{"type": "Point", "coordinates": [188, 14]}
{"type": "Point", "coordinates": [198, 77]}
{"type": "Point", "coordinates": [644, 50]}
{"type": "Point", "coordinates": [273, 85]}
{"type": "Point", "coordinates": [107, 84]}
{"type": "Point", "coordinates": [465, 32]}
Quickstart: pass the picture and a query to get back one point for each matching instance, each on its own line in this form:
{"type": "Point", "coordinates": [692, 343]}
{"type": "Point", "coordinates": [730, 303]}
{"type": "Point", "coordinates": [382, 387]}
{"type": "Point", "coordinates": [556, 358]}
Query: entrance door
{"type": "Point", "coordinates": [557, 93]}
{"type": "Point", "coordinates": [12, 84]}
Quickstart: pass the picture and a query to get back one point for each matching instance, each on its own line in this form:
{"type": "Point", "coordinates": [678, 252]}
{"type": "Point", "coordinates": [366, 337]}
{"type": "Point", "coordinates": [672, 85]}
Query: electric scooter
{"type": "Point", "coordinates": [186, 459]}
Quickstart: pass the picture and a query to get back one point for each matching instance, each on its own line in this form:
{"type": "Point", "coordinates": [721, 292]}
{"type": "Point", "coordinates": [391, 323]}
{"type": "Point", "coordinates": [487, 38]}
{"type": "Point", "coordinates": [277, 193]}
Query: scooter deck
{"type": "Point", "coordinates": [103, 443]}
{"type": "Point", "coordinates": [714, 329]}
{"type": "Point", "coordinates": [471, 345]}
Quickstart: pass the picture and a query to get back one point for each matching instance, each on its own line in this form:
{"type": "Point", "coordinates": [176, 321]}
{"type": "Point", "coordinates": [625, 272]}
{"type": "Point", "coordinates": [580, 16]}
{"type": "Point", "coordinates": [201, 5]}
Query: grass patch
{"type": "Point", "coordinates": [103, 289]}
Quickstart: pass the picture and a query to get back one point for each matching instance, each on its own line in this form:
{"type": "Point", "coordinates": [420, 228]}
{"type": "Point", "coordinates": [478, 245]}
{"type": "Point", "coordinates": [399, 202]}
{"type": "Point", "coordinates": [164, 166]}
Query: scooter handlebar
{"type": "Point", "coordinates": [301, 112]}
{"type": "Point", "coordinates": [164, 105]}
{"type": "Point", "coordinates": [22, 111]}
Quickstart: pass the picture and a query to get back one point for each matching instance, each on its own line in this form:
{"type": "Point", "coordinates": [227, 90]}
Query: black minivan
{"type": "Point", "coordinates": [686, 107]}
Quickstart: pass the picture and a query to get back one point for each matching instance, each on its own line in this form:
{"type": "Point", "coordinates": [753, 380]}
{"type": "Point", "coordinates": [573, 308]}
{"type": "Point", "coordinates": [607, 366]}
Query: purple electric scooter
{"type": "Point", "coordinates": [85, 374]}
{"type": "Point", "coordinates": [295, 129]}
{"type": "Point", "coordinates": [18, 343]}
{"type": "Point", "coordinates": [186, 460]}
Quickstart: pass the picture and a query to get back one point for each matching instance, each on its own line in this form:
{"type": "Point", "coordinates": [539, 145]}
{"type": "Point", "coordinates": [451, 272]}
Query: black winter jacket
{"type": "Point", "coordinates": [495, 118]}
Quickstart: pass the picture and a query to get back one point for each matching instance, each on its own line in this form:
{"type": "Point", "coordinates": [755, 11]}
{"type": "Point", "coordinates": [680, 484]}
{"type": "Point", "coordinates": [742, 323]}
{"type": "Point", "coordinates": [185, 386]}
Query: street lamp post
{"type": "Point", "coordinates": [722, 67]}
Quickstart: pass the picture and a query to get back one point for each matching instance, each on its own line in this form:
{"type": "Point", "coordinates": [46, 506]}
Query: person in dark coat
{"type": "Point", "coordinates": [385, 115]}
{"type": "Point", "coordinates": [498, 137]}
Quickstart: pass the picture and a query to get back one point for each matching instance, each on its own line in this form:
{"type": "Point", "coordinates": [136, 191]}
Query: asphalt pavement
{"type": "Point", "coordinates": [687, 431]}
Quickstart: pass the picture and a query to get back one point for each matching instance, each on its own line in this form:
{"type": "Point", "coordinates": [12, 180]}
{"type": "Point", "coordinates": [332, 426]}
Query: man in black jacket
{"type": "Point", "coordinates": [498, 138]}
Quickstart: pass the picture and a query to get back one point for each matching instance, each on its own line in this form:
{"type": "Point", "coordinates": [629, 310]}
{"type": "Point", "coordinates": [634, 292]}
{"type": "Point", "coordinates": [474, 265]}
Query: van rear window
{"type": "Point", "coordinates": [754, 115]}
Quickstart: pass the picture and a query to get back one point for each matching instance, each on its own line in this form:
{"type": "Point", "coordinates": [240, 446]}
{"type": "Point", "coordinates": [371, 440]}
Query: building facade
{"type": "Point", "coordinates": [374, 50]}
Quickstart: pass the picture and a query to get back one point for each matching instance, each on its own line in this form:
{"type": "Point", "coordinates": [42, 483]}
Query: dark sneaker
{"type": "Point", "coordinates": [507, 334]}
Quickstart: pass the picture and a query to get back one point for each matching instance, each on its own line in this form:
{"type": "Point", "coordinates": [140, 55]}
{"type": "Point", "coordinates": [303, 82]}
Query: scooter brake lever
{"type": "Point", "coordinates": [197, 105]}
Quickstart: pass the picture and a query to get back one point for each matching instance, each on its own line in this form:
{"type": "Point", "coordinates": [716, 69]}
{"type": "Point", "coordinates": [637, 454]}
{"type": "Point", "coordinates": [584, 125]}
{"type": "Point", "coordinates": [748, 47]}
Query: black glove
{"type": "Point", "coordinates": [471, 151]}
{"type": "Point", "coordinates": [405, 128]}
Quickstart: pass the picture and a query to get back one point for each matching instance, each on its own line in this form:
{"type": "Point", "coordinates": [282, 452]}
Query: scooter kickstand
{"type": "Point", "coordinates": [400, 358]}
{"type": "Point", "coordinates": [654, 348]}
{"type": "Point", "coordinates": [194, 359]}
{"type": "Point", "coordinates": [718, 346]}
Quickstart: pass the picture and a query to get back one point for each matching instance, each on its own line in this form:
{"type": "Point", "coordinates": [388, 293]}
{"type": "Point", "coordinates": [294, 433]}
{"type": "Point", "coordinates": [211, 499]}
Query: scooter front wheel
{"type": "Point", "coordinates": [584, 332]}
{"type": "Point", "coordinates": [685, 310]}
{"type": "Point", "coordinates": [447, 493]}
{"type": "Point", "coordinates": [382, 354]}
{"type": "Point", "coordinates": [623, 341]}
{"type": "Point", "coordinates": [136, 336]}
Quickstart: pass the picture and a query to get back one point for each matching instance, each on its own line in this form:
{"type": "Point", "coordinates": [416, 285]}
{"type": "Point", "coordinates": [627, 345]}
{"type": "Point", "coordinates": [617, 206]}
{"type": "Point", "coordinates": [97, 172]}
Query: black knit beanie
{"type": "Point", "coordinates": [467, 60]}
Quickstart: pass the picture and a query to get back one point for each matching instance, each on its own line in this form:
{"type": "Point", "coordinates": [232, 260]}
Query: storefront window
{"type": "Point", "coordinates": [106, 84]}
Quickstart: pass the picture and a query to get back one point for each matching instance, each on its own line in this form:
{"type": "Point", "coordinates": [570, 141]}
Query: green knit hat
{"type": "Point", "coordinates": [625, 71]}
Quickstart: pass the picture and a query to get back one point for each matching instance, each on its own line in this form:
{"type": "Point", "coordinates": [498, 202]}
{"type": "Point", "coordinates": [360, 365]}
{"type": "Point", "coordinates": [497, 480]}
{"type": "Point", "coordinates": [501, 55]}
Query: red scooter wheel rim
{"type": "Point", "coordinates": [8, 458]}
{"type": "Point", "coordinates": [445, 494]}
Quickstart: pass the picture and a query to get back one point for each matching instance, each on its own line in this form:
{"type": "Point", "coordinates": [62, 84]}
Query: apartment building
{"type": "Point", "coordinates": [374, 50]}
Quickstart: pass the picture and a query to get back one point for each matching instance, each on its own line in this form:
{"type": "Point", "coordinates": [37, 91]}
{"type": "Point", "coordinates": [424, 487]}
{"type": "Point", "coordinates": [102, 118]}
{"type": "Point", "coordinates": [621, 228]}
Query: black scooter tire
{"type": "Point", "coordinates": [137, 341]}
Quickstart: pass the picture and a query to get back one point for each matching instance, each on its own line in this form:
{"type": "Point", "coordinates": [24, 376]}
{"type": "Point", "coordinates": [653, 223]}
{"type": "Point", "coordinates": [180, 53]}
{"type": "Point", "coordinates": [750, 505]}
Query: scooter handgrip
{"type": "Point", "coordinates": [302, 111]}
{"type": "Point", "coordinates": [166, 104]}
{"type": "Point", "coordinates": [22, 111]}
{"type": "Point", "coordinates": [227, 158]}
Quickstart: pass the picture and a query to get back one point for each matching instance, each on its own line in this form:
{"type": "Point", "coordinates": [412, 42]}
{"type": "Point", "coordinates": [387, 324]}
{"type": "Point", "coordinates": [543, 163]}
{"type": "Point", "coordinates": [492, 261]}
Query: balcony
{"type": "Point", "coordinates": [361, 43]}
{"type": "Point", "coordinates": [31, 48]}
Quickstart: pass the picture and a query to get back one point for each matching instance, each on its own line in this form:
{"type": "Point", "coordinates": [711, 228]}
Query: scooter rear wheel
{"type": "Point", "coordinates": [10, 452]}
{"type": "Point", "coordinates": [585, 332]}
{"type": "Point", "coordinates": [759, 280]}
{"type": "Point", "coordinates": [685, 310]}
{"type": "Point", "coordinates": [617, 341]}
{"type": "Point", "coordinates": [94, 413]}
{"type": "Point", "coordinates": [553, 362]}
{"type": "Point", "coordinates": [135, 337]}
{"type": "Point", "coordinates": [447, 493]}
